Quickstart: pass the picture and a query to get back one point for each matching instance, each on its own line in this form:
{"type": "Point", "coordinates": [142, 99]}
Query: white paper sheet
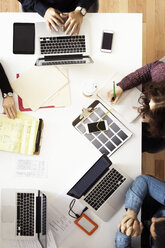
{"type": "Point", "coordinates": [59, 222]}
{"type": "Point", "coordinates": [50, 240]}
{"type": "Point", "coordinates": [30, 168]}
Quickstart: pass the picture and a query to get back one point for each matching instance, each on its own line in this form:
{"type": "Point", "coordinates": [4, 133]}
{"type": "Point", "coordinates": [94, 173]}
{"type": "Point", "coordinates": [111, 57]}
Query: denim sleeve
{"type": "Point", "coordinates": [122, 240]}
{"type": "Point", "coordinates": [141, 186]}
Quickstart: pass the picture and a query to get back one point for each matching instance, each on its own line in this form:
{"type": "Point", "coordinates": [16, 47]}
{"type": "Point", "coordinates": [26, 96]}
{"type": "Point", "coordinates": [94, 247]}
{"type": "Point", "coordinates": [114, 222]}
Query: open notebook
{"type": "Point", "coordinates": [20, 135]}
{"type": "Point", "coordinates": [126, 102]}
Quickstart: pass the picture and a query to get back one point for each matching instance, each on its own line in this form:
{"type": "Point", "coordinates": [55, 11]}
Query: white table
{"type": "Point", "coordinates": [66, 158]}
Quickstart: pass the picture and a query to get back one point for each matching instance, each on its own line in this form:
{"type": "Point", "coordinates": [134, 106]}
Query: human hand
{"type": "Point", "coordinates": [53, 19]}
{"type": "Point", "coordinates": [130, 225]}
{"type": "Point", "coordinates": [73, 23]}
{"type": "Point", "coordinates": [9, 107]}
{"type": "Point", "coordinates": [118, 93]}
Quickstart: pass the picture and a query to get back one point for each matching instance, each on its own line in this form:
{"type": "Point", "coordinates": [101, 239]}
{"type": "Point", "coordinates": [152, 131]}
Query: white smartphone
{"type": "Point", "coordinates": [95, 127]}
{"type": "Point", "coordinates": [107, 38]}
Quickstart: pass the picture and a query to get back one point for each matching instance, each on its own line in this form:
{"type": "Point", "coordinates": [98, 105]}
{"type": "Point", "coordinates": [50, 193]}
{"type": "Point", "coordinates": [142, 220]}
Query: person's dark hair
{"type": "Point", "coordinates": [156, 92]}
{"type": "Point", "coordinates": [159, 242]}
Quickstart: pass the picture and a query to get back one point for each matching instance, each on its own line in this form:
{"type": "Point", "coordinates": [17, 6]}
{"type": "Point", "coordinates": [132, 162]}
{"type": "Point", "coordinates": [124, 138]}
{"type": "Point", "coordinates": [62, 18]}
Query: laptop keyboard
{"type": "Point", "coordinates": [64, 62]}
{"type": "Point", "coordinates": [104, 189]}
{"type": "Point", "coordinates": [25, 214]}
{"type": "Point", "coordinates": [62, 44]}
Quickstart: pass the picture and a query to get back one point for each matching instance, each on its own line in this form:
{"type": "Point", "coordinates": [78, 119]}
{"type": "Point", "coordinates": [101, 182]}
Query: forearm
{"type": "Point", "coordinates": [122, 240]}
{"type": "Point", "coordinates": [4, 82]}
{"type": "Point", "coordinates": [141, 186]}
{"type": "Point", "coordinates": [140, 76]}
{"type": "Point", "coordinates": [136, 194]}
{"type": "Point", "coordinates": [85, 3]}
{"type": "Point", "coordinates": [35, 6]}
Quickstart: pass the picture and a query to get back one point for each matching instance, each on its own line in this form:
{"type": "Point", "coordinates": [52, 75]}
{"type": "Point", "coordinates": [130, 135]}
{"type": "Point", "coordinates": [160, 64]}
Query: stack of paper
{"type": "Point", "coordinates": [127, 104]}
{"type": "Point", "coordinates": [18, 135]}
{"type": "Point", "coordinates": [43, 86]}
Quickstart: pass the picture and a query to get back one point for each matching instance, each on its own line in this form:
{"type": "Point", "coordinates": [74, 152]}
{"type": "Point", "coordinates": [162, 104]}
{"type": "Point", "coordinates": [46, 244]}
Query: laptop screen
{"type": "Point", "coordinates": [90, 177]}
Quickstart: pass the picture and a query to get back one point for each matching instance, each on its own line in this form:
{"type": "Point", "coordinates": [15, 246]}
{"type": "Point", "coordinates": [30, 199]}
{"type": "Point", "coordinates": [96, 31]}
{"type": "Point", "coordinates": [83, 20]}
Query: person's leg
{"type": "Point", "coordinates": [94, 8]}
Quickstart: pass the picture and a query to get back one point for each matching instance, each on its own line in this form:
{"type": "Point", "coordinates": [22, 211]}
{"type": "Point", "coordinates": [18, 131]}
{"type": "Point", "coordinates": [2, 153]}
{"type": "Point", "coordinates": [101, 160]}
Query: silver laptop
{"type": "Point", "coordinates": [57, 48]}
{"type": "Point", "coordinates": [23, 216]}
{"type": "Point", "coordinates": [102, 188]}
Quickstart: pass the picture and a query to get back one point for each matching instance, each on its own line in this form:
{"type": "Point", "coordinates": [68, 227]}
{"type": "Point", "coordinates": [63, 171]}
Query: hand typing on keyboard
{"type": "Point", "coordinates": [53, 19]}
{"type": "Point", "coordinates": [73, 23]}
{"type": "Point", "coordinates": [70, 22]}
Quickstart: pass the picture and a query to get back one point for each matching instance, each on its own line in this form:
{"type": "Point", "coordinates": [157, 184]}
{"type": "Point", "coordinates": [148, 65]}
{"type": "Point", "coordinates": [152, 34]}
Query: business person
{"type": "Point", "coordinates": [130, 226]}
{"type": "Point", "coordinates": [53, 12]}
{"type": "Point", "coordinates": [7, 94]}
{"type": "Point", "coordinates": [152, 78]}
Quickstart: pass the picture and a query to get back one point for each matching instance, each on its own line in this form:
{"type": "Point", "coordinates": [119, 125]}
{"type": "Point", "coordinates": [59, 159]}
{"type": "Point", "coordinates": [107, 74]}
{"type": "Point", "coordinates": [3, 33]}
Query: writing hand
{"type": "Point", "coordinates": [9, 107]}
{"type": "Point", "coordinates": [118, 93]}
{"type": "Point", "coordinates": [53, 19]}
{"type": "Point", "coordinates": [73, 23]}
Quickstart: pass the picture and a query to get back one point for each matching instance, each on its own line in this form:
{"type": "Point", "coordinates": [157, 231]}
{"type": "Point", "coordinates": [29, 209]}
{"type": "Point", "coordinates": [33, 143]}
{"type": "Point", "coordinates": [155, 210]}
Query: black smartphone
{"type": "Point", "coordinates": [96, 126]}
{"type": "Point", "coordinates": [23, 38]}
{"type": "Point", "coordinates": [107, 38]}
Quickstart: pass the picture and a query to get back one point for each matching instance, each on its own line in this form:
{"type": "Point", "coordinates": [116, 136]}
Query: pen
{"type": "Point", "coordinates": [114, 94]}
{"type": "Point", "coordinates": [38, 136]}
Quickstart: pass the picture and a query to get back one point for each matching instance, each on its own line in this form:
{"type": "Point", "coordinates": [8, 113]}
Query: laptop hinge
{"type": "Point", "coordinates": [63, 57]}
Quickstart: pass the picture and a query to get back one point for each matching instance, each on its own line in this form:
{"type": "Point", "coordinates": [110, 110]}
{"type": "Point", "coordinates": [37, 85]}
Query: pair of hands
{"type": "Point", "coordinates": [130, 225]}
{"type": "Point", "coordinates": [70, 22]}
{"type": "Point", "coordinates": [9, 107]}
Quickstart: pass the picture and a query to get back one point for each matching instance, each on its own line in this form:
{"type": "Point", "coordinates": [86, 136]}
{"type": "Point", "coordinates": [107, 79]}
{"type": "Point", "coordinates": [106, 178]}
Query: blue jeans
{"type": "Point", "coordinates": [134, 198]}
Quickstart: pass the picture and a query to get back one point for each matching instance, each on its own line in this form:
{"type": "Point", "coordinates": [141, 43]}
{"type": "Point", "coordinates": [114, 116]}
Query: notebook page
{"type": "Point", "coordinates": [126, 102]}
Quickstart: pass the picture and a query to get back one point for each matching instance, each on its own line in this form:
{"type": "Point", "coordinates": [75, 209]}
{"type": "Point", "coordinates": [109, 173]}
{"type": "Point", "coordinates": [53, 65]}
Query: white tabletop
{"type": "Point", "coordinates": [65, 152]}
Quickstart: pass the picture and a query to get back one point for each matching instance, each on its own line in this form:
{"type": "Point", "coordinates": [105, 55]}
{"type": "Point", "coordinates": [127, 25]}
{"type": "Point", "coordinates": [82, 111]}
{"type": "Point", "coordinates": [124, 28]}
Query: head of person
{"type": "Point", "coordinates": [153, 107]}
{"type": "Point", "coordinates": [157, 230]}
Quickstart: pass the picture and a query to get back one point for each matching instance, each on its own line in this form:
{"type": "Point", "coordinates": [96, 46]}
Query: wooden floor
{"type": "Point", "coordinates": [153, 48]}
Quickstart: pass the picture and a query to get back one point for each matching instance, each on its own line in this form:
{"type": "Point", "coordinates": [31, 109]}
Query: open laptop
{"type": "Point", "coordinates": [23, 216]}
{"type": "Point", "coordinates": [102, 188]}
{"type": "Point", "coordinates": [57, 48]}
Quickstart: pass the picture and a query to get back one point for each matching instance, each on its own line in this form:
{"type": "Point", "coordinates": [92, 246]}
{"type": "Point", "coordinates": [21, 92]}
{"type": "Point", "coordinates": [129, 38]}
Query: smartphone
{"type": "Point", "coordinates": [95, 127]}
{"type": "Point", "coordinates": [23, 38]}
{"type": "Point", "coordinates": [107, 38]}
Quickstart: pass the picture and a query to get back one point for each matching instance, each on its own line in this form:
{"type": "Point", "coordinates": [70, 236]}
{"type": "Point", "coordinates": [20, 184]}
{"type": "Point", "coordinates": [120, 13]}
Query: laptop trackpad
{"type": "Point", "coordinates": [7, 214]}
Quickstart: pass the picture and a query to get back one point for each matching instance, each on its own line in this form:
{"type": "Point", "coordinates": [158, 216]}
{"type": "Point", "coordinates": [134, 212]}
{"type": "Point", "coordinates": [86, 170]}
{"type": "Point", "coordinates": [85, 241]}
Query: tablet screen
{"type": "Point", "coordinates": [23, 38]}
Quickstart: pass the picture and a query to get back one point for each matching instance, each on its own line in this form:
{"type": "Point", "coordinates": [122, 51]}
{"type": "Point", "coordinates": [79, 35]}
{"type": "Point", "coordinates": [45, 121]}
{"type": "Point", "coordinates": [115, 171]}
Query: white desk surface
{"type": "Point", "coordinates": [66, 153]}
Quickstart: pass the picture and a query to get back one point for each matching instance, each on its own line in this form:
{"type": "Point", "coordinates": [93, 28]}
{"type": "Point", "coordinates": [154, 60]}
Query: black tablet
{"type": "Point", "coordinates": [23, 38]}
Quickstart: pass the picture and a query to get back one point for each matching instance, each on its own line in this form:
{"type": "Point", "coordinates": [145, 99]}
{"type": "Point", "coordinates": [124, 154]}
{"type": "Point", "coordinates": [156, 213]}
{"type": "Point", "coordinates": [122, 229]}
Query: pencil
{"type": "Point", "coordinates": [114, 94]}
